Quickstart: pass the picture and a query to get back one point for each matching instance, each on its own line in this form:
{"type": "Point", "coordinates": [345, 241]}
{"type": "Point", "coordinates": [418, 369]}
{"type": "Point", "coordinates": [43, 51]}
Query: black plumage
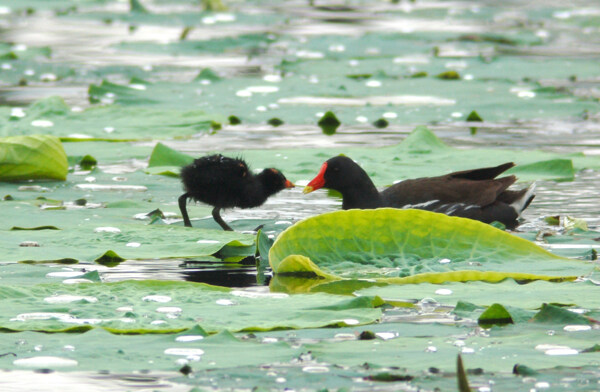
{"type": "Point", "coordinates": [224, 182]}
{"type": "Point", "coordinates": [475, 194]}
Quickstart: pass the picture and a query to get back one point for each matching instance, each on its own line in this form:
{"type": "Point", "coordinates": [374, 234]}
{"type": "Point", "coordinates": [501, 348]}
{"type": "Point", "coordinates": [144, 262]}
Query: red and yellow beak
{"type": "Point", "coordinates": [318, 182]}
{"type": "Point", "coordinates": [289, 184]}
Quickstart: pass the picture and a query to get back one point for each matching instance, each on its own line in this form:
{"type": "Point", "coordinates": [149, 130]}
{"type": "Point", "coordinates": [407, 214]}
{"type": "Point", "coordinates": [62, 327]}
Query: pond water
{"type": "Point", "coordinates": [577, 198]}
{"type": "Point", "coordinates": [530, 69]}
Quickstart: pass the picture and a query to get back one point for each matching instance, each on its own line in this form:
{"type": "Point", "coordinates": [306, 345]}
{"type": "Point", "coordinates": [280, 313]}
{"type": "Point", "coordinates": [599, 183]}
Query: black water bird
{"type": "Point", "coordinates": [475, 194]}
{"type": "Point", "coordinates": [224, 182]}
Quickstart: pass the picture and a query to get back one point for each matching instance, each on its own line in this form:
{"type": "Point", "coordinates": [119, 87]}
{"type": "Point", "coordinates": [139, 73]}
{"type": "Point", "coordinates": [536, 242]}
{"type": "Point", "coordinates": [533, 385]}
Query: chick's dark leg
{"type": "Point", "coordinates": [219, 220]}
{"type": "Point", "coordinates": [182, 208]}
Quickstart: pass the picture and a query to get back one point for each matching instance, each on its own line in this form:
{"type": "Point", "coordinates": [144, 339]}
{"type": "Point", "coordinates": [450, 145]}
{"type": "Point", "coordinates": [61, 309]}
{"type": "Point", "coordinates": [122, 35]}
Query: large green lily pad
{"type": "Point", "coordinates": [412, 246]}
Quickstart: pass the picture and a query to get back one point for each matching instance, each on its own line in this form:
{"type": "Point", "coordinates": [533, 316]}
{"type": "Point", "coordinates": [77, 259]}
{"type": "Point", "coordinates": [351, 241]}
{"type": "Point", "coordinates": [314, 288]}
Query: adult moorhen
{"type": "Point", "coordinates": [225, 182]}
{"type": "Point", "coordinates": [475, 194]}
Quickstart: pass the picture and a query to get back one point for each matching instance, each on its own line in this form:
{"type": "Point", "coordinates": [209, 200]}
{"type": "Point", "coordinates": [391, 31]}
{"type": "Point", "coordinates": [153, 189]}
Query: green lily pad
{"type": "Point", "coordinates": [482, 294]}
{"type": "Point", "coordinates": [112, 244]}
{"type": "Point", "coordinates": [412, 246]}
{"type": "Point", "coordinates": [32, 157]}
{"type": "Point", "coordinates": [329, 123]}
{"type": "Point", "coordinates": [110, 122]}
{"type": "Point", "coordinates": [180, 306]}
{"type": "Point", "coordinates": [165, 156]}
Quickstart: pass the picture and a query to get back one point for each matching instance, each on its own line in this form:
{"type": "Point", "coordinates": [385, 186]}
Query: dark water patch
{"type": "Point", "coordinates": [210, 272]}
{"type": "Point", "coordinates": [224, 274]}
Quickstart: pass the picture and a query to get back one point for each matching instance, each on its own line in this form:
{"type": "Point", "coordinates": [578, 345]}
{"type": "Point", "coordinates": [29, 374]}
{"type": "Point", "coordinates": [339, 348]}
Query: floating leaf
{"type": "Point", "coordinates": [275, 122]}
{"type": "Point", "coordinates": [35, 228]}
{"type": "Point", "coordinates": [234, 120]}
{"type": "Point", "coordinates": [594, 349]}
{"type": "Point", "coordinates": [215, 126]}
{"type": "Point", "coordinates": [107, 122]}
{"type": "Point", "coordinates": [166, 156]}
{"type": "Point", "coordinates": [448, 75]}
{"type": "Point", "coordinates": [523, 370]}
{"type": "Point", "coordinates": [560, 169]}
{"type": "Point", "coordinates": [263, 244]}
{"type": "Point", "coordinates": [110, 245]}
{"type": "Point", "coordinates": [408, 244]}
{"type": "Point", "coordinates": [88, 162]}
{"type": "Point", "coordinates": [213, 5]}
{"type": "Point", "coordinates": [329, 123]}
{"type": "Point", "coordinates": [495, 315]}
{"type": "Point", "coordinates": [390, 377]}
{"type": "Point", "coordinates": [32, 157]}
{"type": "Point", "coordinates": [136, 6]}
{"type": "Point", "coordinates": [381, 123]}
{"type": "Point", "coordinates": [474, 116]}
{"type": "Point", "coordinates": [109, 259]}
{"type": "Point", "coordinates": [208, 74]}
{"type": "Point", "coordinates": [108, 92]}
{"type": "Point", "coordinates": [212, 308]}
{"type": "Point", "coordinates": [496, 39]}
{"type": "Point", "coordinates": [498, 314]}
{"type": "Point", "coordinates": [571, 223]}
{"type": "Point", "coordinates": [472, 298]}
{"type": "Point", "coordinates": [550, 314]}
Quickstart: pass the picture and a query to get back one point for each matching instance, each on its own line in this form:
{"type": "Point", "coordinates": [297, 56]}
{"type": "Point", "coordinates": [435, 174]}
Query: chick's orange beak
{"type": "Point", "coordinates": [318, 182]}
{"type": "Point", "coordinates": [289, 184]}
